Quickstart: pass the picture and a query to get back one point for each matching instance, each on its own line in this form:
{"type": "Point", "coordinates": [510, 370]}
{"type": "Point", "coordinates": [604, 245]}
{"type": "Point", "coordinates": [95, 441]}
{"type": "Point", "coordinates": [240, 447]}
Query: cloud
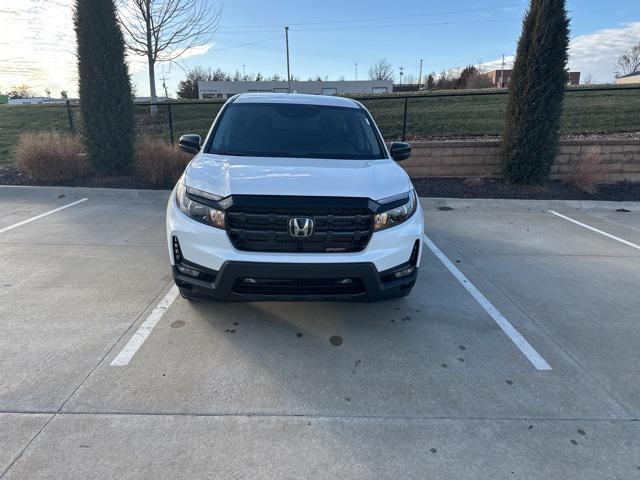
{"type": "Point", "coordinates": [593, 54]}
{"type": "Point", "coordinates": [37, 47]}
{"type": "Point", "coordinates": [138, 64]}
{"type": "Point", "coordinates": [199, 50]}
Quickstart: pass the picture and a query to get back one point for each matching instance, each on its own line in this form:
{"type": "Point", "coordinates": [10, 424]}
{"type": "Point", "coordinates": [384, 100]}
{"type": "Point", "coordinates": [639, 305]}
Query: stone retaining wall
{"type": "Point", "coordinates": [618, 159]}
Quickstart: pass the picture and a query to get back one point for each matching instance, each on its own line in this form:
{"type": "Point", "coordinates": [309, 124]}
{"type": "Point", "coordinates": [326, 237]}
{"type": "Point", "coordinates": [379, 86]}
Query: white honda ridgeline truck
{"type": "Point", "coordinates": [294, 197]}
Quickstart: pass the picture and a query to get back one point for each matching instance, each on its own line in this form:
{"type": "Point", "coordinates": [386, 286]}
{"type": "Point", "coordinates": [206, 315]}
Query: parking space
{"type": "Point", "coordinates": [576, 285]}
{"type": "Point", "coordinates": [431, 385]}
{"type": "Point", "coordinates": [72, 283]}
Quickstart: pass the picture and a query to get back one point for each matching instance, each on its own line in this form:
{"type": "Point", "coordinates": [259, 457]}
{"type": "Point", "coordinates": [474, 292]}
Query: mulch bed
{"type": "Point", "coordinates": [501, 189]}
{"type": "Point", "coordinates": [426, 187]}
{"type": "Point", "coordinates": [12, 176]}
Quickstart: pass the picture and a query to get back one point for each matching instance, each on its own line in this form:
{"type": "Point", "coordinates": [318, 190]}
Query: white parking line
{"type": "Point", "coordinates": [28, 220]}
{"type": "Point", "coordinates": [138, 338]}
{"type": "Point", "coordinates": [525, 347]}
{"type": "Point", "coordinates": [613, 237]}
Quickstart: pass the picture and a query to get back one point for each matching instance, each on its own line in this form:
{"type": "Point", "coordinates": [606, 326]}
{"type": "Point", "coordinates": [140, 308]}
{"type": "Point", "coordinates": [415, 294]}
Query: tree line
{"type": "Point", "coordinates": [188, 88]}
{"type": "Point", "coordinates": [469, 77]}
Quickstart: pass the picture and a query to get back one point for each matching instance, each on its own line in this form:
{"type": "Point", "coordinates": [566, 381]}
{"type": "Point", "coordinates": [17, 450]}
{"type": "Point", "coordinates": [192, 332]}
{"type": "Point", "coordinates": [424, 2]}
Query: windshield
{"type": "Point", "coordinates": [284, 130]}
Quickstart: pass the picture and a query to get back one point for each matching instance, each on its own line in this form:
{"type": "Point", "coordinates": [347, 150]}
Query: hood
{"type": "Point", "coordinates": [226, 175]}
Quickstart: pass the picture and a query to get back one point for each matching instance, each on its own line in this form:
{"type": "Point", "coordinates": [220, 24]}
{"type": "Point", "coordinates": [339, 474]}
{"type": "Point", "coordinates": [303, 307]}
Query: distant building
{"type": "Point", "coordinates": [226, 89]}
{"type": "Point", "coordinates": [148, 99]}
{"type": "Point", "coordinates": [62, 101]}
{"type": "Point", "coordinates": [407, 87]}
{"type": "Point", "coordinates": [41, 101]}
{"type": "Point", "coordinates": [502, 78]}
{"type": "Point", "coordinates": [629, 79]}
{"type": "Point", "coordinates": [574, 78]}
{"type": "Point", "coordinates": [29, 101]}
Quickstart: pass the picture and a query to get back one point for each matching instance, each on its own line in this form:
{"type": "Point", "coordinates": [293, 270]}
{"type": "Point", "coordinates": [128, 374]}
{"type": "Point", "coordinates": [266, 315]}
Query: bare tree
{"type": "Point", "coordinates": [164, 30]}
{"type": "Point", "coordinates": [20, 91]}
{"type": "Point", "coordinates": [188, 88]}
{"type": "Point", "coordinates": [381, 70]}
{"type": "Point", "coordinates": [629, 61]}
{"type": "Point", "coordinates": [479, 80]}
{"type": "Point", "coordinates": [410, 79]}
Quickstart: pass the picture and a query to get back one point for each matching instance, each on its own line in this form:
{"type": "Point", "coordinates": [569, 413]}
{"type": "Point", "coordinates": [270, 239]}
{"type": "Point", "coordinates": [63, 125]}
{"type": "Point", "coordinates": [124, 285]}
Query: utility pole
{"type": "Point", "coordinates": [420, 77]}
{"type": "Point", "coordinates": [502, 73]}
{"type": "Point", "coordinates": [166, 94]}
{"type": "Point", "coordinates": [286, 35]}
{"type": "Point", "coordinates": [164, 85]}
{"type": "Point", "coordinates": [356, 71]}
{"type": "Point", "coordinates": [401, 73]}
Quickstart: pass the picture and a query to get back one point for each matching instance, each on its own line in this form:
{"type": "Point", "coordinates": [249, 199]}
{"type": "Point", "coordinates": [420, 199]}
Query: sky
{"type": "Point", "coordinates": [327, 38]}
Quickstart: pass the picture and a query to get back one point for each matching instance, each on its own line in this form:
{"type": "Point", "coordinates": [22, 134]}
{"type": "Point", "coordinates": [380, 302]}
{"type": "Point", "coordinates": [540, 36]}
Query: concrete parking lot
{"type": "Point", "coordinates": [516, 356]}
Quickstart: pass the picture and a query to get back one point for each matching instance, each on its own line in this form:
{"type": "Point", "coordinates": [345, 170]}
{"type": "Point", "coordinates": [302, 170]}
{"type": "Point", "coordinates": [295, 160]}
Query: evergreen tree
{"type": "Point", "coordinates": [106, 103]}
{"type": "Point", "coordinates": [534, 106]}
{"type": "Point", "coordinates": [469, 72]}
{"type": "Point", "coordinates": [430, 81]}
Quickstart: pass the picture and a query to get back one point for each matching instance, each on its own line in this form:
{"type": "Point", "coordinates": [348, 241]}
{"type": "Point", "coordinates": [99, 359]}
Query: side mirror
{"type": "Point", "coordinates": [400, 151]}
{"type": "Point", "coordinates": [190, 143]}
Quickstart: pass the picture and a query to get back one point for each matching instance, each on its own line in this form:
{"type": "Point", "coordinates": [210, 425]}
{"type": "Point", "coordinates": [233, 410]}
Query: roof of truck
{"type": "Point", "coordinates": [296, 98]}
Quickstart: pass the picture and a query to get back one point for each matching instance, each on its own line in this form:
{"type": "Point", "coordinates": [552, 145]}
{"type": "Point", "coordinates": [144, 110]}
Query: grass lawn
{"type": "Point", "coordinates": [17, 119]}
{"type": "Point", "coordinates": [460, 116]}
{"type": "Point", "coordinates": [427, 116]}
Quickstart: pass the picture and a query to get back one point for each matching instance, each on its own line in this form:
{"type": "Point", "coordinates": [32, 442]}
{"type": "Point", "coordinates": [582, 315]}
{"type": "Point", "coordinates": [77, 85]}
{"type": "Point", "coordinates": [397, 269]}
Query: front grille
{"type": "Point", "coordinates": [298, 287]}
{"type": "Point", "coordinates": [264, 225]}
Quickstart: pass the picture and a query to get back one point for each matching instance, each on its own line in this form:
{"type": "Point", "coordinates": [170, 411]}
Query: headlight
{"type": "Point", "coordinates": [198, 211]}
{"type": "Point", "coordinates": [396, 215]}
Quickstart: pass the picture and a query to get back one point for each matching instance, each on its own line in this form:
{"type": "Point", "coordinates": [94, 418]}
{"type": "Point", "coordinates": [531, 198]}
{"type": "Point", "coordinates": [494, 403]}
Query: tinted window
{"type": "Point", "coordinates": [282, 130]}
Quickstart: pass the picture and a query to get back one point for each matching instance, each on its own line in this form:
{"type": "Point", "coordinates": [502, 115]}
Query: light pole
{"type": "Point", "coordinates": [244, 74]}
{"type": "Point", "coordinates": [401, 73]}
{"type": "Point", "coordinates": [420, 77]}
{"type": "Point", "coordinates": [286, 35]}
{"type": "Point", "coordinates": [356, 71]}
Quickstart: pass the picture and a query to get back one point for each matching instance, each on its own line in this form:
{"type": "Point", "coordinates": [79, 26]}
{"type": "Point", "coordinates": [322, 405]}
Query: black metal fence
{"type": "Point", "coordinates": [601, 110]}
{"type": "Point", "coordinates": [482, 113]}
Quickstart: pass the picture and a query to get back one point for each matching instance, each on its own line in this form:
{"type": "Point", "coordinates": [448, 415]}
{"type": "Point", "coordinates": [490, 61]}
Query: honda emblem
{"type": "Point", "coordinates": [300, 227]}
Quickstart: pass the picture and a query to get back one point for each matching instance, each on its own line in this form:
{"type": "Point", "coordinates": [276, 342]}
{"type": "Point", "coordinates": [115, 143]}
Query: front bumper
{"type": "Point", "coordinates": [295, 282]}
{"type": "Point", "coordinates": [210, 249]}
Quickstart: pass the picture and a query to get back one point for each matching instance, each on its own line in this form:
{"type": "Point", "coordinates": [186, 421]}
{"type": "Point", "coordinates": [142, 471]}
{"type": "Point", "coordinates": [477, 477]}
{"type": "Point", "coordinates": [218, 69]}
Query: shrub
{"type": "Point", "coordinates": [51, 157]}
{"type": "Point", "coordinates": [536, 94]}
{"type": "Point", "coordinates": [588, 171]}
{"type": "Point", "coordinates": [158, 163]}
